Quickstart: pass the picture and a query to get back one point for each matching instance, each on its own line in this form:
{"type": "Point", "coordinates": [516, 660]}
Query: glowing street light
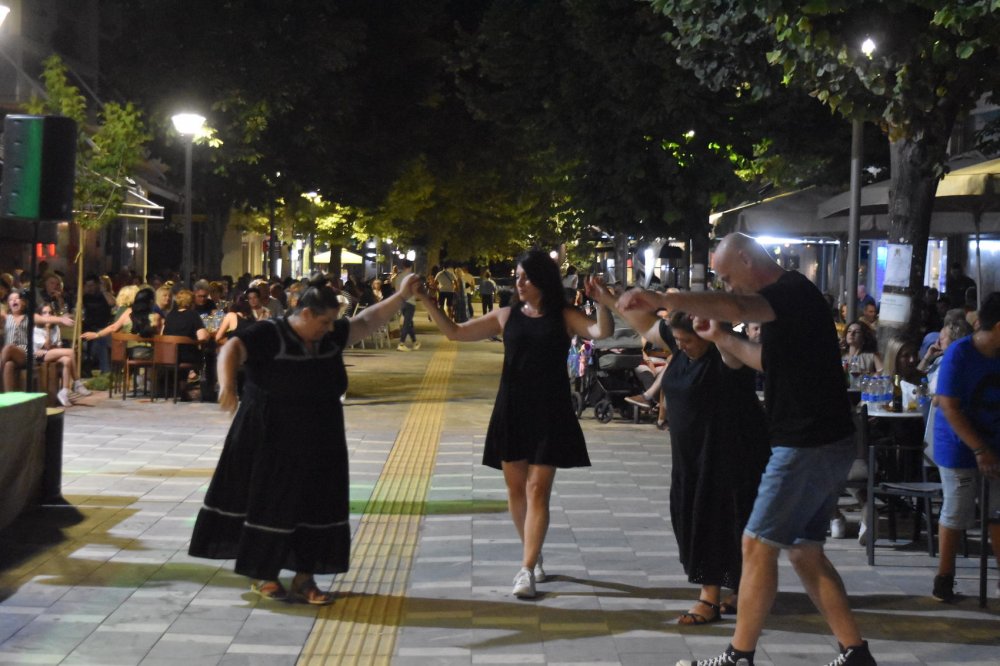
{"type": "Point", "coordinates": [188, 125]}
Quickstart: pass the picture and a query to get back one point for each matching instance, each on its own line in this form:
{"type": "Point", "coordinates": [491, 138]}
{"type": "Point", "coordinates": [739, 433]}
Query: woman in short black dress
{"type": "Point", "coordinates": [279, 496]}
{"type": "Point", "coordinates": [533, 430]}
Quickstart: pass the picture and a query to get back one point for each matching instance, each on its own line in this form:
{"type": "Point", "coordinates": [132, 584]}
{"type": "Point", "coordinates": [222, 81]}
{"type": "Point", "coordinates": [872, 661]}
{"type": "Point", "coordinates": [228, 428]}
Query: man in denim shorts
{"type": "Point", "coordinates": [811, 433]}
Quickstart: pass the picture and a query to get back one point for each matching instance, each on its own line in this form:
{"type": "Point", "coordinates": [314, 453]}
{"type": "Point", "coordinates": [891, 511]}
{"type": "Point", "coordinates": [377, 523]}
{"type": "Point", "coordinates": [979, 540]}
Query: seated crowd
{"type": "Point", "coordinates": [209, 312]}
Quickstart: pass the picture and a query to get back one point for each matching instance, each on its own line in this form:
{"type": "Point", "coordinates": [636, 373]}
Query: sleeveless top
{"type": "Point", "coordinates": [16, 333]}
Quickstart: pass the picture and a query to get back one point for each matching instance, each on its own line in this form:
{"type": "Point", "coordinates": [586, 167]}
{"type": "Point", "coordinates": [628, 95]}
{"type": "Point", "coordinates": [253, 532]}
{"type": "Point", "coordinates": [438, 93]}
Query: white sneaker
{"type": "Point", "coordinates": [416, 345]}
{"type": "Point", "coordinates": [863, 534]}
{"type": "Point", "coordinates": [80, 387]}
{"type": "Point", "coordinates": [838, 528]}
{"type": "Point", "coordinates": [403, 347]}
{"type": "Point", "coordinates": [539, 571]}
{"type": "Point", "coordinates": [63, 397]}
{"type": "Point", "coordinates": [524, 584]}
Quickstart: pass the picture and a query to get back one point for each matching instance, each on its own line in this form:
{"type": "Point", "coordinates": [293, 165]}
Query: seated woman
{"type": "Point", "coordinates": [860, 351]}
{"type": "Point", "coordinates": [138, 318]}
{"type": "Point", "coordinates": [239, 317]}
{"type": "Point", "coordinates": [184, 321]}
{"type": "Point", "coordinates": [48, 349]}
{"type": "Point", "coordinates": [14, 355]}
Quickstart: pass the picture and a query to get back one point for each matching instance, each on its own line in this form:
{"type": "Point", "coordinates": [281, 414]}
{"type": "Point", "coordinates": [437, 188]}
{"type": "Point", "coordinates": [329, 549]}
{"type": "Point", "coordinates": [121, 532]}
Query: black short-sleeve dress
{"type": "Point", "coordinates": [719, 448]}
{"type": "Point", "coordinates": [279, 497]}
{"type": "Point", "coordinates": [533, 417]}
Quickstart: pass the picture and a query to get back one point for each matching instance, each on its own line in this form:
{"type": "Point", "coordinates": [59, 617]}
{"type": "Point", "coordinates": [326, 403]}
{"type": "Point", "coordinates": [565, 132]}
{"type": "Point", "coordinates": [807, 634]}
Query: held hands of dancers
{"type": "Point", "coordinates": [598, 291]}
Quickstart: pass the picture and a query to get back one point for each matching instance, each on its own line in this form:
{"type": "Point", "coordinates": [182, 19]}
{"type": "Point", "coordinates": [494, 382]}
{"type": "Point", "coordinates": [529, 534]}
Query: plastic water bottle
{"type": "Point", "coordinates": [924, 395]}
{"type": "Point", "coordinates": [866, 384]}
{"type": "Point", "coordinates": [886, 389]}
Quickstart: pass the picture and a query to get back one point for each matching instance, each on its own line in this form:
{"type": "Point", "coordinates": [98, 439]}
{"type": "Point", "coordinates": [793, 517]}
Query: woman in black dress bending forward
{"type": "Point", "coordinates": [533, 429]}
{"type": "Point", "coordinates": [280, 493]}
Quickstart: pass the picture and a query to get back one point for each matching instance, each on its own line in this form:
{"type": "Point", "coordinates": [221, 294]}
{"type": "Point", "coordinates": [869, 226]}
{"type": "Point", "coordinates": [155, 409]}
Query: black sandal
{"type": "Point", "coordinates": [690, 619]}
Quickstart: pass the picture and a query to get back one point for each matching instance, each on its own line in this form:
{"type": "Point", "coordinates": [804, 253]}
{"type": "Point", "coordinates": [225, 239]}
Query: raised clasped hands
{"type": "Point", "coordinates": [411, 285]}
{"type": "Point", "coordinates": [709, 329]}
{"type": "Point", "coordinates": [599, 292]}
{"type": "Point", "coordinates": [638, 299]}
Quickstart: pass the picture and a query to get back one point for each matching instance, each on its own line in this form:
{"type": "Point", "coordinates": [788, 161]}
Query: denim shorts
{"type": "Point", "coordinates": [798, 493]}
{"type": "Point", "coordinates": [961, 492]}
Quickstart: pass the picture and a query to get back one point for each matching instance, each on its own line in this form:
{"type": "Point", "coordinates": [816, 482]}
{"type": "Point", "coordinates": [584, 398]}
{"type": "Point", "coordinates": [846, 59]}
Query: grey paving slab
{"type": "Point", "coordinates": [115, 585]}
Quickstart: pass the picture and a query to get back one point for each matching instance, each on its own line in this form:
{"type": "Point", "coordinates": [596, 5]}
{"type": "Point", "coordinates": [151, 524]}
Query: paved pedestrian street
{"type": "Point", "coordinates": [108, 580]}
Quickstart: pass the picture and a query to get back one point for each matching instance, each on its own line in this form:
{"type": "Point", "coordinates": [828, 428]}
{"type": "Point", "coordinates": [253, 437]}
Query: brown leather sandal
{"type": "Point", "coordinates": [696, 619]}
{"type": "Point", "coordinates": [309, 593]}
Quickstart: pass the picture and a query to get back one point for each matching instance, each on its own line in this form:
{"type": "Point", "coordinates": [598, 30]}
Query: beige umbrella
{"type": "Point", "coordinates": [974, 189]}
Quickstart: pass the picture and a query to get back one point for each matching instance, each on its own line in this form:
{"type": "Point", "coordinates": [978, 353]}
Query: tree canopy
{"type": "Point", "coordinates": [933, 60]}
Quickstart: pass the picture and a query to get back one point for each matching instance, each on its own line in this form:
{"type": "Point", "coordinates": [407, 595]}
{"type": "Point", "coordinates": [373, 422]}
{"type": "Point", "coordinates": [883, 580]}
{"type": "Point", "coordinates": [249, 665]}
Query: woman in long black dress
{"type": "Point", "coordinates": [279, 496]}
{"type": "Point", "coordinates": [719, 448]}
{"type": "Point", "coordinates": [533, 430]}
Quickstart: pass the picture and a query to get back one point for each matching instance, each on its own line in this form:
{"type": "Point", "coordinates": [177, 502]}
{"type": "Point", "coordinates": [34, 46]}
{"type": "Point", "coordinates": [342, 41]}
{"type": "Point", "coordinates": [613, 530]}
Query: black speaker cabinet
{"type": "Point", "coordinates": [39, 168]}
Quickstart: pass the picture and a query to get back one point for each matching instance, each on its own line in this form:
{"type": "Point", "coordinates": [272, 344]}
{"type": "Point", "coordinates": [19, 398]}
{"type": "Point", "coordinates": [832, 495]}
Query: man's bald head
{"type": "Point", "coordinates": [743, 265]}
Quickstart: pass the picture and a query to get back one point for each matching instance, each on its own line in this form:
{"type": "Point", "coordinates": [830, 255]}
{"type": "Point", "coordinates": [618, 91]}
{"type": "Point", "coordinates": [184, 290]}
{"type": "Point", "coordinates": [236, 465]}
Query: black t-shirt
{"type": "Point", "coordinates": [804, 389]}
{"type": "Point", "coordinates": [186, 323]}
{"type": "Point", "coordinates": [208, 307]}
{"type": "Point", "coordinates": [96, 312]}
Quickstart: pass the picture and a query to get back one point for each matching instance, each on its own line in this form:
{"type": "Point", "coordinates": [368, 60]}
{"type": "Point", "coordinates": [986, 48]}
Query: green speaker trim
{"type": "Point", "coordinates": [39, 168]}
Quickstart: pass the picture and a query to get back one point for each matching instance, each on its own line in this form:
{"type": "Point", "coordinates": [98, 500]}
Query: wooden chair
{"type": "Point", "coordinates": [166, 354]}
{"type": "Point", "coordinates": [123, 367]}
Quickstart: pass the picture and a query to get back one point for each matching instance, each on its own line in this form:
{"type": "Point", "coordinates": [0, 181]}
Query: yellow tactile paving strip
{"type": "Point", "coordinates": [360, 627]}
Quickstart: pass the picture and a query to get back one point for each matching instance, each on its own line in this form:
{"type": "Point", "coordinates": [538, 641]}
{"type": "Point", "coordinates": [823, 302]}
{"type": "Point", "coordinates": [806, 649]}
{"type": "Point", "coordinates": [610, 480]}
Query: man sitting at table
{"type": "Point", "coordinates": [203, 303]}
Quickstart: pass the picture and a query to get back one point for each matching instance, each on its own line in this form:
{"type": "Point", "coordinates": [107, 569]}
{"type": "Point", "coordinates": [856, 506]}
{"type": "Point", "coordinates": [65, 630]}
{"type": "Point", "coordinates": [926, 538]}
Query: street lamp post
{"type": "Point", "coordinates": [854, 218]}
{"type": "Point", "coordinates": [188, 125]}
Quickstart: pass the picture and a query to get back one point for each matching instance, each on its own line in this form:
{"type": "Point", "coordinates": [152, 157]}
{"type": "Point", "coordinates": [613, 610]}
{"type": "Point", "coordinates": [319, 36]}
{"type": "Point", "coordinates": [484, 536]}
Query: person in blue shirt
{"type": "Point", "coordinates": [967, 439]}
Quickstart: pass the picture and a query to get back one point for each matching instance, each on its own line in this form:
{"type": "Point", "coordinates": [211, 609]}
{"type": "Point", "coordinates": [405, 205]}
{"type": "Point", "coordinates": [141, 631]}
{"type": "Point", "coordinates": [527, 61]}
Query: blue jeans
{"type": "Point", "coordinates": [406, 328]}
{"type": "Point", "coordinates": [98, 350]}
{"type": "Point", "coordinates": [798, 493]}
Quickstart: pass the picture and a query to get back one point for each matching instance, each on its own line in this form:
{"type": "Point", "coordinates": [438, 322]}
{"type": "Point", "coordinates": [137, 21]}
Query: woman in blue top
{"type": "Point", "coordinates": [967, 439]}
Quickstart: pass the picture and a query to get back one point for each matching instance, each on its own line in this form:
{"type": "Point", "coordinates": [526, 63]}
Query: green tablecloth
{"type": "Point", "coordinates": [22, 451]}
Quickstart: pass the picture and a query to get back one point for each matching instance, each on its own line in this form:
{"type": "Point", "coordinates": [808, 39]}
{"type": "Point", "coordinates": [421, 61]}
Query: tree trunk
{"type": "Point", "coordinates": [911, 199]}
{"type": "Point", "coordinates": [621, 259]}
{"type": "Point", "coordinates": [333, 268]}
{"type": "Point", "coordinates": [215, 230]}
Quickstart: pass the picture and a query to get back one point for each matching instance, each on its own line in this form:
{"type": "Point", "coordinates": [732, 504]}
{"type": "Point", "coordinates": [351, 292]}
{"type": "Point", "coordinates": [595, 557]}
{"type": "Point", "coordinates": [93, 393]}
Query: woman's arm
{"type": "Point", "coordinates": [579, 324]}
{"type": "Point", "coordinates": [228, 322]}
{"type": "Point", "coordinates": [480, 328]}
{"type": "Point", "coordinates": [113, 327]}
{"type": "Point", "coordinates": [232, 355]}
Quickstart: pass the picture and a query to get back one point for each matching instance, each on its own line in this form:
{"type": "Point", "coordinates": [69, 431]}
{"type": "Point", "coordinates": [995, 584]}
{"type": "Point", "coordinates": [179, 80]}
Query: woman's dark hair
{"type": "Point", "coordinates": [142, 307]}
{"type": "Point", "coordinates": [681, 321]}
{"type": "Point", "coordinates": [318, 296]}
{"type": "Point", "coordinates": [869, 345]}
{"type": "Point", "coordinates": [241, 306]}
{"type": "Point", "coordinates": [544, 274]}
{"type": "Point", "coordinates": [252, 290]}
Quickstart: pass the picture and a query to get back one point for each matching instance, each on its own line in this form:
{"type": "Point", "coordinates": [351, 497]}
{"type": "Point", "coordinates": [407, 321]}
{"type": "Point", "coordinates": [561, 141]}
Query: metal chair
{"type": "Point", "coordinates": [922, 494]}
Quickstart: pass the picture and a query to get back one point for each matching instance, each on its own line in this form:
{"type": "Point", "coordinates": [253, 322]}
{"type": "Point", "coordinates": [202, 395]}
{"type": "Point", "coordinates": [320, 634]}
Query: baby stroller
{"type": "Point", "coordinates": [609, 375]}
